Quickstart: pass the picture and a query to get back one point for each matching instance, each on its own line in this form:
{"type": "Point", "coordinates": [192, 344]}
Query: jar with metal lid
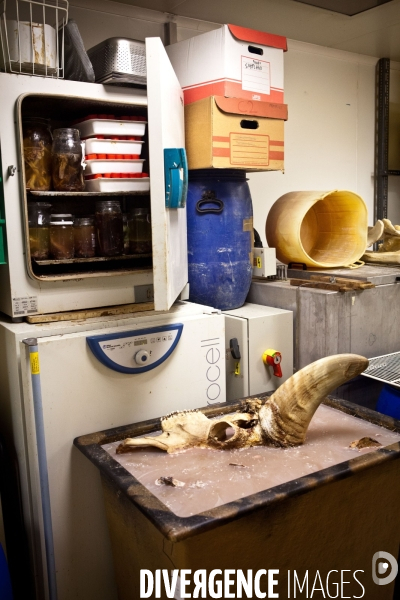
{"type": "Point", "coordinates": [139, 225]}
{"type": "Point", "coordinates": [109, 228]}
{"type": "Point", "coordinates": [37, 144]}
{"type": "Point", "coordinates": [39, 224]}
{"type": "Point", "coordinates": [66, 158]}
{"type": "Point", "coordinates": [61, 236]}
{"type": "Point", "coordinates": [84, 237]}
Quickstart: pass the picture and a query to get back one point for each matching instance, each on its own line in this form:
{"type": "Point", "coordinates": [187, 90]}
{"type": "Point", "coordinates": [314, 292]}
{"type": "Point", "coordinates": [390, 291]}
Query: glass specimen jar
{"type": "Point", "coordinates": [109, 228]}
{"type": "Point", "coordinates": [39, 224]}
{"type": "Point", "coordinates": [61, 236]}
{"type": "Point", "coordinates": [139, 225]}
{"type": "Point", "coordinates": [37, 144]}
{"type": "Point", "coordinates": [126, 232]}
{"type": "Point", "coordinates": [84, 237]}
{"type": "Point", "coordinates": [66, 159]}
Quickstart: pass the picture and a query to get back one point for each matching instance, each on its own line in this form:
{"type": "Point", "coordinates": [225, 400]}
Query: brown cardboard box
{"type": "Point", "coordinates": [234, 133]}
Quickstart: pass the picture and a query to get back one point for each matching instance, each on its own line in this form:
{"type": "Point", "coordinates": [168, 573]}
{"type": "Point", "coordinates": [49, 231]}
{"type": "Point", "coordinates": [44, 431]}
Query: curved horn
{"type": "Point", "coordinates": [286, 415]}
{"type": "Point", "coordinates": [375, 233]}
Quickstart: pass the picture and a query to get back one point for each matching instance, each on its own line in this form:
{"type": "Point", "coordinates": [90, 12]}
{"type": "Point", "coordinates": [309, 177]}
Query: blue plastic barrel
{"type": "Point", "coordinates": [389, 401]}
{"type": "Point", "coordinates": [220, 237]}
{"type": "Point", "coordinates": [5, 582]}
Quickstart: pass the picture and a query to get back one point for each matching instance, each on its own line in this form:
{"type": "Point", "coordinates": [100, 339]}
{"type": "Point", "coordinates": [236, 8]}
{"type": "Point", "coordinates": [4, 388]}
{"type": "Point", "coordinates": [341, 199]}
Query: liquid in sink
{"type": "Point", "coordinates": [215, 477]}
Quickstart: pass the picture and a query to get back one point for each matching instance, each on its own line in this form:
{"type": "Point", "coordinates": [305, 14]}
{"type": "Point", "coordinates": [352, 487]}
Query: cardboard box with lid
{"type": "Point", "coordinates": [231, 61]}
{"type": "Point", "coordinates": [234, 133]}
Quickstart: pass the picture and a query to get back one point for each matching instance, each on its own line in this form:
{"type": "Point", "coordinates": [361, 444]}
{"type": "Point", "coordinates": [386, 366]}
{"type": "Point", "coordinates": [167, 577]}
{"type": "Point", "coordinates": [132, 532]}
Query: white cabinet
{"type": "Point", "coordinates": [27, 288]}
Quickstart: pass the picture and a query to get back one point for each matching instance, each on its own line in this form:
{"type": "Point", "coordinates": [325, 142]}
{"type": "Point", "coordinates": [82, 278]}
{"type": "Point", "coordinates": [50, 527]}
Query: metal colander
{"type": "Point", "coordinates": [385, 368]}
{"type": "Point", "coordinates": [119, 60]}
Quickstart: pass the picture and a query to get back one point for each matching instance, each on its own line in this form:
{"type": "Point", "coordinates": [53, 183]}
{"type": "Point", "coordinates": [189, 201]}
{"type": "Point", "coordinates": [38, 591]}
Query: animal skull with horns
{"type": "Point", "coordinates": [282, 420]}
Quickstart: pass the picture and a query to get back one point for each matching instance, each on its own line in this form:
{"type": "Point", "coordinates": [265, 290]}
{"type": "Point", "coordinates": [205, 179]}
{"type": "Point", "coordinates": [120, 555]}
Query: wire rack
{"type": "Point", "coordinates": [385, 368]}
{"type": "Point", "coordinates": [32, 37]}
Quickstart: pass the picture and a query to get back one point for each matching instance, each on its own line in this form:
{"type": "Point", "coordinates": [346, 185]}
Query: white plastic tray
{"type": "Point", "coordinates": [94, 146]}
{"type": "Point", "coordinates": [117, 185]}
{"type": "Point", "coordinates": [93, 127]}
{"type": "Point", "coordinates": [113, 166]}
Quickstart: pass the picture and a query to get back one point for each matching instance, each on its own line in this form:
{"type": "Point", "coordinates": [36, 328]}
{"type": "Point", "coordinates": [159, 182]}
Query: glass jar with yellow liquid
{"type": "Point", "coordinates": [62, 243]}
{"type": "Point", "coordinates": [139, 226]}
{"type": "Point", "coordinates": [37, 142]}
{"type": "Point", "coordinates": [39, 229]}
{"type": "Point", "coordinates": [84, 237]}
{"type": "Point", "coordinates": [66, 160]}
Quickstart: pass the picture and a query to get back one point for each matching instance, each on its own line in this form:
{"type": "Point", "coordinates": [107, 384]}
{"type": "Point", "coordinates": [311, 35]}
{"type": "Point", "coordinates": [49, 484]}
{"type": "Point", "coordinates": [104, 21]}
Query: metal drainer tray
{"type": "Point", "coordinates": [385, 368]}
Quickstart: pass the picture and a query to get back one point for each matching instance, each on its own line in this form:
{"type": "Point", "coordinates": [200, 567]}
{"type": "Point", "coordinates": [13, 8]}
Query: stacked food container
{"type": "Point", "coordinates": [113, 149]}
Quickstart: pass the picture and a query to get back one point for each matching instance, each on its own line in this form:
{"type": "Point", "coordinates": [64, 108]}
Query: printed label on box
{"type": "Point", "coordinates": [25, 306]}
{"type": "Point", "coordinates": [256, 75]}
{"type": "Point", "coordinates": [249, 149]}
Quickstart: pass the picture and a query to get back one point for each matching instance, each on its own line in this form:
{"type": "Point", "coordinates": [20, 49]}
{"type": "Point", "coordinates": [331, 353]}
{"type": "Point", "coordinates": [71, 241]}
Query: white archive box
{"type": "Point", "coordinates": [232, 61]}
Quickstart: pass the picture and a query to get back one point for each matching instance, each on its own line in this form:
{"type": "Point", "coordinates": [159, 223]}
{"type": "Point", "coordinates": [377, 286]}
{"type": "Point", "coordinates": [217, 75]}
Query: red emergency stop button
{"type": "Point", "coordinates": [273, 358]}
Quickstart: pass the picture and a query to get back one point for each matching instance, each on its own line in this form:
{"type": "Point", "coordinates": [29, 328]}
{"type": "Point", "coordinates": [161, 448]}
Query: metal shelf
{"type": "Point", "coordinates": [382, 139]}
{"type": "Point", "coordinates": [94, 259]}
{"type": "Point", "coordinates": [71, 194]}
{"type": "Point", "coordinates": [382, 172]}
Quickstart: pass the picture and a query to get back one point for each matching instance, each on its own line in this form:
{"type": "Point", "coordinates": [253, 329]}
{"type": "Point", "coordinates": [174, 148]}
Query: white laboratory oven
{"type": "Point", "coordinates": [250, 331]}
{"type": "Point", "coordinates": [29, 286]}
{"type": "Point", "coordinates": [95, 374]}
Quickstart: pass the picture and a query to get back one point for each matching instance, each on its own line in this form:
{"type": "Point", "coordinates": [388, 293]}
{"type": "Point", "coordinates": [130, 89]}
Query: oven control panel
{"type": "Point", "coordinates": [135, 351]}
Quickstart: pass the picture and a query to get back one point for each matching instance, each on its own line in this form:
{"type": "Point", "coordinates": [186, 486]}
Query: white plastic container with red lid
{"type": "Point", "coordinates": [106, 146]}
{"type": "Point", "coordinates": [111, 127]}
{"type": "Point", "coordinates": [113, 166]}
{"type": "Point", "coordinates": [117, 184]}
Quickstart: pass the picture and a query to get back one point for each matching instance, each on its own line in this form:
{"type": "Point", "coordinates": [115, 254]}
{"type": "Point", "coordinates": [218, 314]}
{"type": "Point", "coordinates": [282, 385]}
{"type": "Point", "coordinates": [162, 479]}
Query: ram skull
{"type": "Point", "coordinates": [282, 420]}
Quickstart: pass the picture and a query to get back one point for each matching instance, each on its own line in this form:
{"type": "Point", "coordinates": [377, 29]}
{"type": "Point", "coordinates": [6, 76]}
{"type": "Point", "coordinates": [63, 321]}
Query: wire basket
{"type": "Point", "coordinates": [32, 37]}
